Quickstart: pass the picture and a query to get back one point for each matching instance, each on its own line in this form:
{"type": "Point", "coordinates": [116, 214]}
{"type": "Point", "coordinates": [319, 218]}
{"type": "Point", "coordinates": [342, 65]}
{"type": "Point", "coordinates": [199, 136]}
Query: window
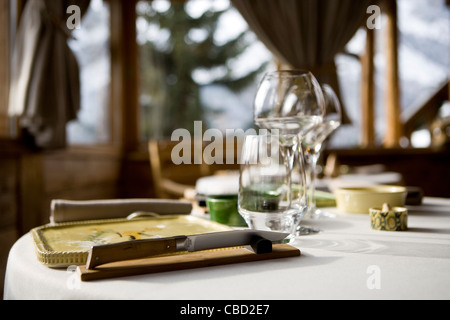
{"type": "Point", "coordinates": [424, 42]}
{"type": "Point", "coordinates": [92, 49]}
{"type": "Point", "coordinates": [198, 62]}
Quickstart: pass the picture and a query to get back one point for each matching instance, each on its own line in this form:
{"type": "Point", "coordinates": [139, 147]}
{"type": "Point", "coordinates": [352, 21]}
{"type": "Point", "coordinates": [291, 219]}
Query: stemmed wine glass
{"type": "Point", "coordinates": [312, 144]}
{"type": "Point", "coordinates": [289, 103]}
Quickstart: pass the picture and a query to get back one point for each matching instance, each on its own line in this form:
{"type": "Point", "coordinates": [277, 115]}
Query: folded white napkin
{"type": "Point", "coordinates": [69, 210]}
{"type": "Point", "coordinates": [218, 185]}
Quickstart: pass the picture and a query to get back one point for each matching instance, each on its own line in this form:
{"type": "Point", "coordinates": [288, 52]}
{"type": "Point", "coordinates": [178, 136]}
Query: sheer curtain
{"type": "Point", "coordinates": [306, 34]}
{"type": "Point", "coordinates": [45, 88]}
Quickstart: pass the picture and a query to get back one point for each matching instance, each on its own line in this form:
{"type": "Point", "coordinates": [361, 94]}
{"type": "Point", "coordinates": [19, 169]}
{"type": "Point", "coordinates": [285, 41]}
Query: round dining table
{"type": "Point", "coordinates": [346, 259]}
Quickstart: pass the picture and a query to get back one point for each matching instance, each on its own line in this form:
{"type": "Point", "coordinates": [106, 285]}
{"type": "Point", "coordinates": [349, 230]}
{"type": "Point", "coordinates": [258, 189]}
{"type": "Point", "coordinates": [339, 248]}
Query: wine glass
{"type": "Point", "coordinates": [289, 103]}
{"type": "Point", "coordinates": [271, 195]}
{"type": "Point", "coordinates": [312, 144]}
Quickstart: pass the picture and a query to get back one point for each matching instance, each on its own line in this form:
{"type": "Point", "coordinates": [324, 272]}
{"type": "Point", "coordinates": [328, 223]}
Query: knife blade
{"type": "Point", "coordinates": [137, 249]}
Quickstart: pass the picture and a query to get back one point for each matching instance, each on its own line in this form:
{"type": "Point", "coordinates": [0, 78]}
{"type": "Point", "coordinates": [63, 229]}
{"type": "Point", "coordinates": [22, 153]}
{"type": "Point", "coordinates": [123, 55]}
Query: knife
{"type": "Point", "coordinates": [261, 242]}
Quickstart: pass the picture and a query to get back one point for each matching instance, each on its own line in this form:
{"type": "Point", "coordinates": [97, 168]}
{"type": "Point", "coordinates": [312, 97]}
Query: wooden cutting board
{"type": "Point", "coordinates": [184, 261]}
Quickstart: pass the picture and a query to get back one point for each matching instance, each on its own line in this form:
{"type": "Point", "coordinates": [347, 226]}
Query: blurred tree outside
{"type": "Point", "coordinates": [179, 55]}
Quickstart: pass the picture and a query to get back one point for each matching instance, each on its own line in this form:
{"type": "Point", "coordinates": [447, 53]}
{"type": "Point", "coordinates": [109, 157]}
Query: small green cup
{"type": "Point", "coordinates": [224, 209]}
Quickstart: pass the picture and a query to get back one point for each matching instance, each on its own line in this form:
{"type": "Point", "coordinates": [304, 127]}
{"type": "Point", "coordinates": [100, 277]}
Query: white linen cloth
{"type": "Point", "coordinates": [229, 184]}
{"type": "Point", "coordinates": [346, 260]}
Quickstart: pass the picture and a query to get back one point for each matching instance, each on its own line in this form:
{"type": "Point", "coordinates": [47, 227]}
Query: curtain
{"type": "Point", "coordinates": [306, 34]}
{"type": "Point", "coordinates": [45, 85]}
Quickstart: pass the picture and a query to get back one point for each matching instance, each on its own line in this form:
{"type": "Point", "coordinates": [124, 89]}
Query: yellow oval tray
{"type": "Point", "coordinates": [65, 244]}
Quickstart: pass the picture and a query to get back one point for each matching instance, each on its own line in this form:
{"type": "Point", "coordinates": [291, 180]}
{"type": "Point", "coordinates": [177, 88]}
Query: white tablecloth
{"type": "Point", "coordinates": [346, 260]}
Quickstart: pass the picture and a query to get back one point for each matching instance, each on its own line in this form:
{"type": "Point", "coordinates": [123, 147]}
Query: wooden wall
{"type": "Point", "coordinates": [80, 174]}
{"type": "Point", "coordinates": [29, 180]}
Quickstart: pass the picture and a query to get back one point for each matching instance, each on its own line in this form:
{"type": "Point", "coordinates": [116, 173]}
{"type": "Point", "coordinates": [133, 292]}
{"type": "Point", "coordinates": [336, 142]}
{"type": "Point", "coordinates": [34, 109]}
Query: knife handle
{"type": "Point", "coordinates": [261, 245]}
{"type": "Point", "coordinates": [130, 250]}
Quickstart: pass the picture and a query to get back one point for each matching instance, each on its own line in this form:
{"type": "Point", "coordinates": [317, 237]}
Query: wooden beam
{"type": "Point", "coordinates": [131, 82]}
{"type": "Point", "coordinates": [367, 92]}
{"type": "Point", "coordinates": [5, 24]}
{"type": "Point", "coordinates": [424, 111]}
{"type": "Point", "coordinates": [124, 69]}
{"type": "Point", "coordinates": [117, 91]}
{"type": "Point", "coordinates": [394, 128]}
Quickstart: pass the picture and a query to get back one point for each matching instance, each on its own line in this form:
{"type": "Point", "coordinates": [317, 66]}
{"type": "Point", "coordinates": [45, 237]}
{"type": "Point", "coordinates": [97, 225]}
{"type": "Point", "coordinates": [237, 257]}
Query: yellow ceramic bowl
{"type": "Point", "coordinates": [361, 199]}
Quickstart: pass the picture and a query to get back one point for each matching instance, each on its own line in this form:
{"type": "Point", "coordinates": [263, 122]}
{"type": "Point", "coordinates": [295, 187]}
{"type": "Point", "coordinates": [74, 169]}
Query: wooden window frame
{"type": "Point", "coordinates": [130, 135]}
{"type": "Point", "coordinates": [123, 105]}
{"type": "Point", "coordinates": [124, 76]}
{"type": "Point", "coordinates": [5, 54]}
{"type": "Point", "coordinates": [394, 126]}
{"type": "Point", "coordinates": [124, 87]}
